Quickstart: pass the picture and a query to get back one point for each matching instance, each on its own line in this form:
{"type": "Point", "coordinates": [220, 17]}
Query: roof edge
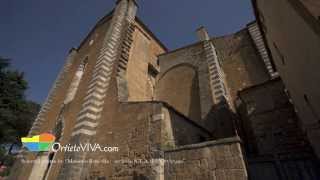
{"type": "Point", "coordinates": [100, 22]}
{"type": "Point", "coordinates": [199, 42]}
{"type": "Point", "coordinates": [144, 26]}
{"type": "Point", "coordinates": [137, 19]}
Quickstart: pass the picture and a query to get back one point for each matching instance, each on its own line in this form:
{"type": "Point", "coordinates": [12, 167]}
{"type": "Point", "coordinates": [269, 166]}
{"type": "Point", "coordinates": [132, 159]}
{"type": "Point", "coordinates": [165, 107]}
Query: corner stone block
{"type": "Point", "coordinates": [235, 150]}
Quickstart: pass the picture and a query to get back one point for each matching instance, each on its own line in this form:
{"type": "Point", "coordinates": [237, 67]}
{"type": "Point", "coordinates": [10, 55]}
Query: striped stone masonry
{"type": "Point", "coordinates": [257, 38]}
{"type": "Point", "coordinates": [57, 84]}
{"type": "Point", "coordinates": [217, 79]}
{"type": "Point", "coordinates": [123, 92]}
{"type": "Point", "coordinates": [88, 117]}
{"type": "Point", "coordinates": [92, 106]}
{"type": "Point", "coordinates": [75, 83]}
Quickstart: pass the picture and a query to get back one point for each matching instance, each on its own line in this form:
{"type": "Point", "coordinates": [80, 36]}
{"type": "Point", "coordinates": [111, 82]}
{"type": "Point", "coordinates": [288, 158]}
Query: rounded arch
{"type": "Point", "coordinates": [161, 75]}
{"type": "Point", "coordinates": [179, 87]}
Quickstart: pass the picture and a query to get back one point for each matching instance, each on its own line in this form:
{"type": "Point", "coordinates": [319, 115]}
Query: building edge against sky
{"type": "Point", "coordinates": [122, 87]}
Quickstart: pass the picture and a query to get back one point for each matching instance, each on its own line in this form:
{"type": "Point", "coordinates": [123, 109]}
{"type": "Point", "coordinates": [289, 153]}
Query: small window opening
{"type": "Point", "coordinates": [91, 42]}
{"type": "Point", "coordinates": [85, 61]}
{"type": "Point", "coordinates": [152, 74]}
{"type": "Point", "coordinates": [152, 71]}
{"type": "Point", "coordinates": [306, 99]}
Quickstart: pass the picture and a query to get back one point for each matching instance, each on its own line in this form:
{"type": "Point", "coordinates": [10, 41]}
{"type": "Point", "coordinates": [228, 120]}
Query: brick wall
{"type": "Point", "coordinates": [144, 51]}
{"type": "Point", "coordinates": [219, 160]}
{"type": "Point", "coordinates": [292, 35]}
{"type": "Point", "coordinates": [241, 62]}
{"type": "Point", "coordinates": [271, 126]}
{"type": "Point", "coordinates": [276, 147]}
{"type": "Point", "coordinates": [178, 130]}
{"type": "Point", "coordinates": [179, 87]}
{"type": "Point", "coordinates": [141, 132]}
{"type": "Point", "coordinates": [194, 57]}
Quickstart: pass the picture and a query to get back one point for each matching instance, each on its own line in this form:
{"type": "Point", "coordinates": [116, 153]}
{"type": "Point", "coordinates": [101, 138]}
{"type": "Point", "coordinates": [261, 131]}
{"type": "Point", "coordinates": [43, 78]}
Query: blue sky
{"type": "Point", "coordinates": [37, 34]}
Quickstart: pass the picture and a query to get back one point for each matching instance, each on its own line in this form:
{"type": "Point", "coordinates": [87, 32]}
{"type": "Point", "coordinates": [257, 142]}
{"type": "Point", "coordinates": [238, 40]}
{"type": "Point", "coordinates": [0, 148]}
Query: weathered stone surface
{"type": "Point", "coordinates": [300, 77]}
{"type": "Point", "coordinates": [199, 162]}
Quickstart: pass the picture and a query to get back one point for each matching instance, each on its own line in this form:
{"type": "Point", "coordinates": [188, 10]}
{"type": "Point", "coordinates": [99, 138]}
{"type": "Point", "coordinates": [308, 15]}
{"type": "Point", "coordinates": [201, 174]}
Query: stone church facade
{"type": "Point", "coordinates": [208, 110]}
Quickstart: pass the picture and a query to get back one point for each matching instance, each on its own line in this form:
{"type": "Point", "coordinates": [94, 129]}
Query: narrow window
{"type": "Point", "coordinates": [152, 71]}
{"type": "Point", "coordinates": [58, 134]}
{"type": "Point", "coordinates": [76, 81]}
{"type": "Point", "coordinates": [306, 99]}
{"type": "Point", "coordinates": [152, 74]}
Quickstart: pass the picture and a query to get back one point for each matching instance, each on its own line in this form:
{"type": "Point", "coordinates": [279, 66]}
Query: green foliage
{"type": "Point", "coordinates": [6, 161]}
{"type": "Point", "coordinates": [16, 113]}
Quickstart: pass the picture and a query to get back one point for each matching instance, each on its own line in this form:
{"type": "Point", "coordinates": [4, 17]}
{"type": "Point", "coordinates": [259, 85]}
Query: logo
{"type": "Point", "coordinates": [42, 142]}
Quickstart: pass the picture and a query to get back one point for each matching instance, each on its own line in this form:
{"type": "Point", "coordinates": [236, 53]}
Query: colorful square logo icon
{"type": "Point", "coordinates": [39, 143]}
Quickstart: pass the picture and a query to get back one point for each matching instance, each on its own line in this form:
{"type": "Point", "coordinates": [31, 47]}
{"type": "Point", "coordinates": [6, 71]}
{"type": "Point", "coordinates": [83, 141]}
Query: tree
{"type": "Point", "coordinates": [16, 113]}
